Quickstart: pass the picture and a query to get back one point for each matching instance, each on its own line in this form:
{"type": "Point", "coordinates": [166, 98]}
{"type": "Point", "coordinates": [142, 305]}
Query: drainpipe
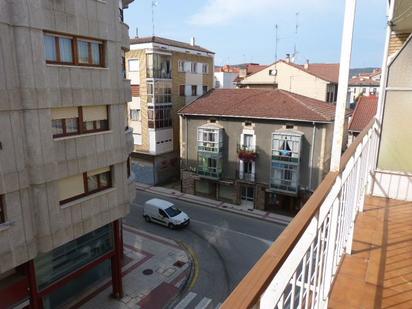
{"type": "Point", "coordinates": [312, 151]}
{"type": "Point", "coordinates": [345, 57]}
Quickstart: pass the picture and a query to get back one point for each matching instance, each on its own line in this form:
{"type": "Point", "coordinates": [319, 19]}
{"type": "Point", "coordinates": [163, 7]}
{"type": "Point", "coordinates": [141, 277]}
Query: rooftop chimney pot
{"type": "Point", "coordinates": [193, 41]}
{"type": "Point", "coordinates": [306, 65]}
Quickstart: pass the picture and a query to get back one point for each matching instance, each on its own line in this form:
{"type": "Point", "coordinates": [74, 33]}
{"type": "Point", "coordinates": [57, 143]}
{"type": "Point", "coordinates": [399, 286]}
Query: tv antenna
{"type": "Point", "coordinates": [276, 42]}
{"type": "Point", "coordinates": [296, 35]}
{"type": "Point", "coordinates": [154, 4]}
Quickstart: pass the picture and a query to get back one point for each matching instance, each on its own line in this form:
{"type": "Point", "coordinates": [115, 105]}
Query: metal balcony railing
{"type": "Point", "coordinates": [245, 176]}
{"type": "Point", "coordinates": [298, 270]}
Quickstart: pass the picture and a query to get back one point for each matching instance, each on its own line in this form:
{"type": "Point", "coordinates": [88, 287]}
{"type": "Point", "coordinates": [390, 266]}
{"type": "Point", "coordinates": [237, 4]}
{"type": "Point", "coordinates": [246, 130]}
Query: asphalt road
{"type": "Point", "coordinates": [225, 245]}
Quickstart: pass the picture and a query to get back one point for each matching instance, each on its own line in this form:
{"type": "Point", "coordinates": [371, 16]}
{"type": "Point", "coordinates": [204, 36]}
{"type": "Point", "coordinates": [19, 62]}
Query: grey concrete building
{"type": "Point", "coordinates": [64, 147]}
{"type": "Point", "coordinates": [266, 149]}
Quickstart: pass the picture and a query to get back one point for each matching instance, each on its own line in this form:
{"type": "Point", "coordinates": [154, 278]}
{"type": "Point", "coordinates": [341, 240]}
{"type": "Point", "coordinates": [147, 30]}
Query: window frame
{"type": "Point", "coordinates": [2, 210]}
{"type": "Point", "coordinates": [182, 89]}
{"type": "Point", "coordinates": [75, 51]}
{"type": "Point", "coordinates": [81, 125]}
{"type": "Point", "coordinates": [193, 90]}
{"type": "Point", "coordinates": [88, 192]}
{"type": "Point", "coordinates": [137, 111]}
{"type": "Point", "coordinates": [156, 116]}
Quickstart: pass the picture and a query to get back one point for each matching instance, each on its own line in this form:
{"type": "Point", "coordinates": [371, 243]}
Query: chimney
{"type": "Point", "coordinates": [306, 65]}
{"type": "Point", "coordinates": [193, 41]}
{"type": "Point", "coordinates": [287, 58]}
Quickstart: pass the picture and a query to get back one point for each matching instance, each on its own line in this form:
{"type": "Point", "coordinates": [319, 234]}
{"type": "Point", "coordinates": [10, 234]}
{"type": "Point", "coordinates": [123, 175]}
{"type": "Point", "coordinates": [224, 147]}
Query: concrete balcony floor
{"type": "Point", "coordinates": [378, 273]}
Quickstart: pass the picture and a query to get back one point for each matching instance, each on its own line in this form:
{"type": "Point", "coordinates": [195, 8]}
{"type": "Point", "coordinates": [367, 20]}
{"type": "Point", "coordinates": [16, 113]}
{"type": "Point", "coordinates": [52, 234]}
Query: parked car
{"type": "Point", "coordinates": [164, 212]}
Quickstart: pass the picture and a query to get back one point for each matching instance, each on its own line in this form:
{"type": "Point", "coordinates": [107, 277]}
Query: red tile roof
{"type": "Point", "coordinates": [325, 71]}
{"type": "Point", "coordinates": [169, 42]}
{"type": "Point", "coordinates": [260, 103]}
{"type": "Point", "coordinates": [364, 111]}
{"type": "Point", "coordinates": [360, 81]}
{"type": "Point", "coordinates": [254, 68]}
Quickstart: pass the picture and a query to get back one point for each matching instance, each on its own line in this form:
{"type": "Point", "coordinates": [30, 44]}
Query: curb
{"type": "Point", "coordinates": [219, 207]}
{"type": "Point", "coordinates": [184, 288]}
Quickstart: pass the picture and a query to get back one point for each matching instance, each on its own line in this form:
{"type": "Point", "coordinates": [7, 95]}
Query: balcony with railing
{"type": "Point", "coordinates": [298, 270]}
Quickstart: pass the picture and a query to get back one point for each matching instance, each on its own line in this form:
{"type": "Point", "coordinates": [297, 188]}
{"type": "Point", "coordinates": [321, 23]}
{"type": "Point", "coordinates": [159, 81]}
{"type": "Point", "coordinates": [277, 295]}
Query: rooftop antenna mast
{"type": "Point", "coordinates": [154, 4]}
{"type": "Point", "coordinates": [276, 43]}
{"type": "Point", "coordinates": [296, 36]}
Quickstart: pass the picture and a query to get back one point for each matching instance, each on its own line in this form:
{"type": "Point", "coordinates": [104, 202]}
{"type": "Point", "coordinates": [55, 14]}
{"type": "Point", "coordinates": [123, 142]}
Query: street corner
{"type": "Point", "coordinates": [161, 278]}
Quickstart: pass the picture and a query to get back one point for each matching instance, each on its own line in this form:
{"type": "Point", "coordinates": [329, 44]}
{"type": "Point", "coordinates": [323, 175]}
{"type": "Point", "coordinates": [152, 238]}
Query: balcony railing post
{"type": "Point", "coordinates": [331, 245]}
{"type": "Point", "coordinates": [358, 190]}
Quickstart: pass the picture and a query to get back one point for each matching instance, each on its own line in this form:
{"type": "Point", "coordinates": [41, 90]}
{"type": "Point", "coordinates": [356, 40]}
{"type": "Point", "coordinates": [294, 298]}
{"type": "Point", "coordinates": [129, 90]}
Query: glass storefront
{"type": "Point", "coordinates": [68, 258]}
{"type": "Point", "coordinates": [61, 297]}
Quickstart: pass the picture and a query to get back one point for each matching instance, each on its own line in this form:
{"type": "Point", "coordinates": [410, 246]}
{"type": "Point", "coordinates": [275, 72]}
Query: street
{"type": "Point", "coordinates": [224, 246]}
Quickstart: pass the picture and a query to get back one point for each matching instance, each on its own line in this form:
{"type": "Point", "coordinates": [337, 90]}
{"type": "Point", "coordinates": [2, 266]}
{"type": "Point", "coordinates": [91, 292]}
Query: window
{"type": "Point", "coordinates": [159, 116]}
{"type": "Point", "coordinates": [247, 140]}
{"type": "Point", "coordinates": [134, 65]}
{"type": "Point", "coordinates": [72, 50]}
{"type": "Point", "coordinates": [194, 90]}
{"type": "Point", "coordinates": [209, 139]}
{"type": "Point", "coordinates": [204, 89]}
{"type": "Point", "coordinates": [181, 66]}
{"type": "Point", "coordinates": [58, 49]}
{"type": "Point", "coordinates": [182, 90]}
{"type": "Point", "coordinates": [285, 162]}
{"type": "Point", "coordinates": [66, 120]}
{"type": "Point", "coordinates": [135, 114]}
{"type": "Point", "coordinates": [247, 193]}
{"type": "Point", "coordinates": [247, 167]}
{"type": "Point", "coordinates": [162, 213]}
{"type": "Point", "coordinates": [2, 210]}
{"type": "Point", "coordinates": [363, 90]}
{"type": "Point", "coordinates": [205, 68]}
{"type": "Point", "coordinates": [75, 187]}
{"type": "Point", "coordinates": [158, 66]}
{"type": "Point", "coordinates": [122, 64]}
{"type": "Point", "coordinates": [193, 67]}
{"type": "Point", "coordinates": [128, 167]}
{"type": "Point", "coordinates": [159, 92]}
{"type": "Point", "coordinates": [95, 118]}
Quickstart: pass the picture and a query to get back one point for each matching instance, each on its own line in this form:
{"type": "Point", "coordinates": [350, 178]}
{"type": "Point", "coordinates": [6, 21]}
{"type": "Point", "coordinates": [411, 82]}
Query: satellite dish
{"type": "Point", "coordinates": [273, 72]}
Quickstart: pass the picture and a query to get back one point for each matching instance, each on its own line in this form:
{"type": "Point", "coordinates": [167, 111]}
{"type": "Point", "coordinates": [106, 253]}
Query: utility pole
{"type": "Point", "coordinates": [345, 58]}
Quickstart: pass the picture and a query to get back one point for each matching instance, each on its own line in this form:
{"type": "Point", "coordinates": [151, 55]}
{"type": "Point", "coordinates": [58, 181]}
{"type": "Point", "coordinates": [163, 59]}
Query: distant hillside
{"type": "Point", "coordinates": [356, 71]}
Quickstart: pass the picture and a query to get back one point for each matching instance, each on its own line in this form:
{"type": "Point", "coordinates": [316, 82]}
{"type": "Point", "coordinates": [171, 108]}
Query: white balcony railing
{"type": "Point", "coordinates": [298, 270]}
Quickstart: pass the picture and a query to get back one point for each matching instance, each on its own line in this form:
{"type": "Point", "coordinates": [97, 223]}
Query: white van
{"type": "Point", "coordinates": [164, 212]}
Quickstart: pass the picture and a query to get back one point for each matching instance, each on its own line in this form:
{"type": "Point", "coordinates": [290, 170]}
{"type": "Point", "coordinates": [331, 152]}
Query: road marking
{"type": "Point", "coordinates": [196, 264]}
{"type": "Point", "coordinates": [266, 241]}
{"type": "Point", "coordinates": [185, 301]}
{"type": "Point", "coordinates": [204, 303]}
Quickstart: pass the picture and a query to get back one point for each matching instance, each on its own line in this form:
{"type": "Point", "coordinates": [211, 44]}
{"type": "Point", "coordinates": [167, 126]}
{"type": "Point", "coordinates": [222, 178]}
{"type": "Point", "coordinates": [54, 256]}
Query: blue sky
{"type": "Point", "coordinates": [241, 31]}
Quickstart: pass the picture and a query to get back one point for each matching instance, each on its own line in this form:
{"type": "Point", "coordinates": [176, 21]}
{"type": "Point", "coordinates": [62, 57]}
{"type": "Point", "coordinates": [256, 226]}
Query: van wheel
{"type": "Point", "coordinates": [171, 226]}
{"type": "Point", "coordinates": [147, 218]}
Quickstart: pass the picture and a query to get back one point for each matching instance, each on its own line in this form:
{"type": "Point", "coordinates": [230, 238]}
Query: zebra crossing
{"type": "Point", "coordinates": [194, 301]}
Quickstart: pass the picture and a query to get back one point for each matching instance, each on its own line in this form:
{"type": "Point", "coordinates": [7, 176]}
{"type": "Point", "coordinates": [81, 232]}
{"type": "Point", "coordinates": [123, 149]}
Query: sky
{"type": "Point", "coordinates": [241, 31]}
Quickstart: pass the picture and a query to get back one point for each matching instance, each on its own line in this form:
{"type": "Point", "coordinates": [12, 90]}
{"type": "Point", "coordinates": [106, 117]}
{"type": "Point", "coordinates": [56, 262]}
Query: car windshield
{"type": "Point", "coordinates": [172, 211]}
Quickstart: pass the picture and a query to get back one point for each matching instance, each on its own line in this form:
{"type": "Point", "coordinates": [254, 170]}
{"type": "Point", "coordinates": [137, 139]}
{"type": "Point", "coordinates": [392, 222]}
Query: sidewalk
{"type": "Point", "coordinates": [155, 270]}
{"type": "Point", "coordinates": [241, 210]}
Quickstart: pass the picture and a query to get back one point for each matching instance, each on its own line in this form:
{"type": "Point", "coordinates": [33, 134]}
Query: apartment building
{"type": "Point", "coordinates": [165, 76]}
{"type": "Point", "coordinates": [314, 80]}
{"type": "Point", "coordinates": [262, 148]}
{"type": "Point", "coordinates": [364, 84]}
{"type": "Point", "coordinates": [65, 183]}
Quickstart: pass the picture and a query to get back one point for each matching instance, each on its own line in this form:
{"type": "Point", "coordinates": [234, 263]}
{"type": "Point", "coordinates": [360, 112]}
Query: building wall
{"type": "Point", "coordinates": [31, 161]}
{"type": "Point", "coordinates": [224, 80]}
{"type": "Point", "coordinates": [139, 126]}
{"type": "Point", "coordinates": [290, 79]}
{"type": "Point", "coordinates": [263, 131]}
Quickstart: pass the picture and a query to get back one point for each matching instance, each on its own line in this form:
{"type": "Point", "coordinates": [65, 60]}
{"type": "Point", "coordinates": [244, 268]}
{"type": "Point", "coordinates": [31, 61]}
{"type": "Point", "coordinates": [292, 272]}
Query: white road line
{"type": "Point", "coordinates": [185, 301]}
{"type": "Point", "coordinates": [266, 241]}
{"type": "Point", "coordinates": [205, 303]}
